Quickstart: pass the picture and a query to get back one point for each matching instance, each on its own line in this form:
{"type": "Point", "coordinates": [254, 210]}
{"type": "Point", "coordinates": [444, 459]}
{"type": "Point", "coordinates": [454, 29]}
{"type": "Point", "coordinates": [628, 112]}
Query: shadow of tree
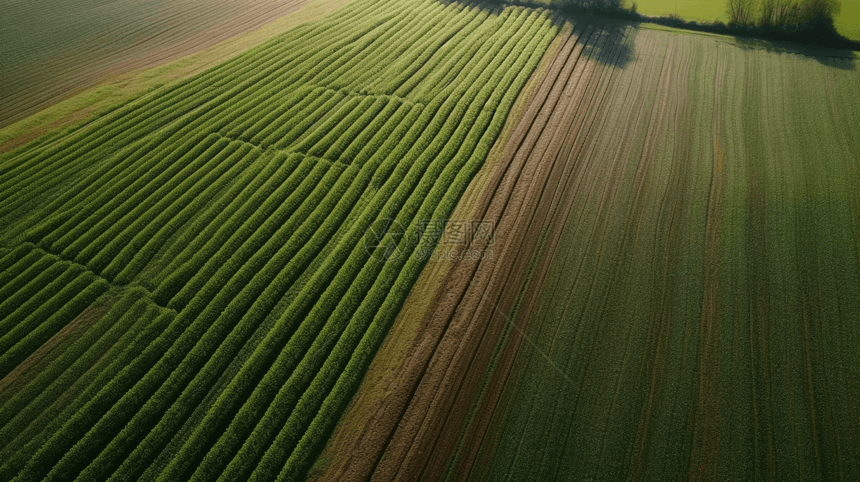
{"type": "Point", "coordinates": [614, 28]}
{"type": "Point", "coordinates": [611, 42]}
{"type": "Point", "coordinates": [607, 40]}
{"type": "Point", "coordinates": [596, 5]}
{"type": "Point", "coordinates": [836, 58]}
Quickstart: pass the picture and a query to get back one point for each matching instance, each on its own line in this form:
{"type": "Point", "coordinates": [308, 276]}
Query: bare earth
{"type": "Point", "coordinates": [406, 421]}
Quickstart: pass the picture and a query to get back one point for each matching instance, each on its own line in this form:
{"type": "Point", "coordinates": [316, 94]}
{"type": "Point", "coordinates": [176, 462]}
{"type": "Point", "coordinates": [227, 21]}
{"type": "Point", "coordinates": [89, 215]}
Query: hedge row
{"type": "Point", "coordinates": [372, 26]}
{"type": "Point", "coordinates": [347, 152]}
{"type": "Point", "coordinates": [281, 124]}
{"type": "Point", "coordinates": [151, 180]}
{"type": "Point", "coordinates": [186, 113]}
{"type": "Point", "coordinates": [320, 310]}
{"type": "Point", "coordinates": [97, 418]}
{"type": "Point", "coordinates": [181, 182]}
{"type": "Point", "coordinates": [333, 121]}
{"type": "Point", "coordinates": [10, 258]}
{"type": "Point", "coordinates": [271, 108]}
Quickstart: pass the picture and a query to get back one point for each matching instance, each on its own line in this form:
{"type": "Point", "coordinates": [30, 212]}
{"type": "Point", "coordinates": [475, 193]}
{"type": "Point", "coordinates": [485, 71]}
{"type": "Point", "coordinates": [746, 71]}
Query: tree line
{"type": "Point", "coordinates": [800, 14]}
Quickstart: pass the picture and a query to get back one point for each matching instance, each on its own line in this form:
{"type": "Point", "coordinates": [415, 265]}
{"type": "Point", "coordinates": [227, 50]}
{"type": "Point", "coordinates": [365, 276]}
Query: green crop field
{"type": "Point", "coordinates": [229, 277]}
{"type": "Point", "coordinates": [224, 218]}
{"type": "Point", "coordinates": [51, 50]}
{"type": "Point", "coordinates": [700, 314]}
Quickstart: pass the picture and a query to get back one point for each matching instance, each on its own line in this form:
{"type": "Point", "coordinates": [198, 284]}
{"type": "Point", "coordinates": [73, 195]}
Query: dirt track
{"type": "Point", "coordinates": [650, 206]}
{"type": "Point", "coordinates": [418, 416]}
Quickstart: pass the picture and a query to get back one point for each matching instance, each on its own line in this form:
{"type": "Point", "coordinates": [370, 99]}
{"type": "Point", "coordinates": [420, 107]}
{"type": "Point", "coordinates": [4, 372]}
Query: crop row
{"type": "Point", "coordinates": [38, 302]}
{"type": "Point", "coordinates": [358, 342]}
{"type": "Point", "coordinates": [292, 250]}
{"type": "Point", "coordinates": [222, 313]}
{"type": "Point", "coordinates": [407, 58]}
{"type": "Point", "coordinates": [280, 367]}
{"type": "Point", "coordinates": [89, 235]}
{"type": "Point", "coordinates": [65, 369]}
{"type": "Point", "coordinates": [199, 265]}
{"type": "Point", "coordinates": [151, 238]}
{"type": "Point", "coordinates": [279, 304]}
{"type": "Point", "coordinates": [107, 142]}
{"type": "Point", "coordinates": [14, 165]}
{"type": "Point", "coordinates": [220, 218]}
{"type": "Point", "coordinates": [30, 429]}
{"type": "Point", "coordinates": [178, 110]}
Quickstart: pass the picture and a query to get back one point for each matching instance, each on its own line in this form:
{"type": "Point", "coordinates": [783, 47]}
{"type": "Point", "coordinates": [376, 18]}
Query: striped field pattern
{"type": "Point", "coordinates": [51, 49]}
{"type": "Point", "coordinates": [698, 318]}
{"type": "Point", "coordinates": [223, 220]}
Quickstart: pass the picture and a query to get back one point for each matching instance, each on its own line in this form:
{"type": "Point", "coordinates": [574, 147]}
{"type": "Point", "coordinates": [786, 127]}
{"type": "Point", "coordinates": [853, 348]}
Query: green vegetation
{"type": "Point", "coordinates": [847, 22]}
{"type": "Point", "coordinates": [187, 291]}
{"type": "Point", "coordinates": [226, 215]}
{"type": "Point", "coordinates": [782, 13]}
{"type": "Point", "coordinates": [699, 316]}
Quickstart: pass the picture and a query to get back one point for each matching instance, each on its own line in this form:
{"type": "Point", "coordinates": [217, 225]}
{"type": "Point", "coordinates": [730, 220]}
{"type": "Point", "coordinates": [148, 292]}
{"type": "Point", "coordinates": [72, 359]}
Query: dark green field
{"type": "Point", "coordinates": [229, 278]}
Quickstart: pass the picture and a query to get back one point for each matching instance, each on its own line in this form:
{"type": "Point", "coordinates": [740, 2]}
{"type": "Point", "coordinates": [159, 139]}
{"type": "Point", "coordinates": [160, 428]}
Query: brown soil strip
{"type": "Point", "coordinates": [366, 427]}
{"type": "Point", "coordinates": [405, 422]}
{"type": "Point", "coordinates": [542, 205]}
{"type": "Point", "coordinates": [425, 438]}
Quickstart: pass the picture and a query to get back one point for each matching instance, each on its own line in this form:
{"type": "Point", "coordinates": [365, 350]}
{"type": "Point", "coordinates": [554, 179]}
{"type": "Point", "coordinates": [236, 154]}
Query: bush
{"type": "Point", "coordinates": [771, 14]}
